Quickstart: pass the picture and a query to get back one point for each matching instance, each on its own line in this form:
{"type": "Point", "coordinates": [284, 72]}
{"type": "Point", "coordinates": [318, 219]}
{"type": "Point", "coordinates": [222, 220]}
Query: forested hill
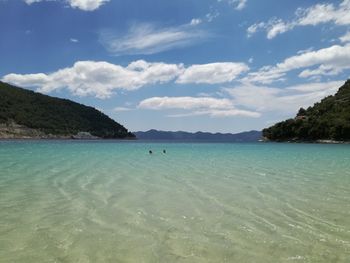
{"type": "Point", "coordinates": [326, 120]}
{"type": "Point", "coordinates": [23, 110]}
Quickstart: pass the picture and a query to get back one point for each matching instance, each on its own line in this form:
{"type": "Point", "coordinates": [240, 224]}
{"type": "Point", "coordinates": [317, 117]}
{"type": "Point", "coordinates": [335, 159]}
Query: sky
{"type": "Point", "coordinates": [191, 65]}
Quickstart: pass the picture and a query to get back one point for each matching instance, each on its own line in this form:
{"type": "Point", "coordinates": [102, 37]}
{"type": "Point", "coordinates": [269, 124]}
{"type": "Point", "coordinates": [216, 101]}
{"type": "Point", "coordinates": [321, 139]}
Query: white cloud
{"type": "Point", "coordinates": [149, 39]}
{"type": "Point", "coordinates": [238, 4]}
{"type": "Point", "coordinates": [337, 56]}
{"type": "Point", "coordinates": [328, 61]}
{"type": "Point", "coordinates": [27, 80]}
{"type": "Point", "coordinates": [186, 103]}
{"type": "Point", "coordinates": [212, 73]}
{"type": "Point", "coordinates": [305, 50]}
{"type": "Point", "coordinates": [29, 2]}
{"type": "Point", "coordinates": [218, 113]}
{"type": "Point", "coordinates": [212, 15]}
{"type": "Point", "coordinates": [324, 13]}
{"type": "Point", "coordinates": [246, 101]}
{"type": "Point", "coordinates": [277, 26]}
{"type": "Point", "coordinates": [195, 21]}
{"type": "Point", "coordinates": [253, 97]}
{"type": "Point", "coordinates": [265, 75]}
{"type": "Point", "coordinates": [231, 113]}
{"type": "Point", "coordinates": [273, 27]}
{"type": "Point", "coordinates": [102, 79]}
{"type": "Point", "coordinates": [312, 16]}
{"type": "Point", "coordinates": [85, 5]}
{"type": "Point", "coordinates": [282, 100]}
{"type": "Point", "coordinates": [251, 30]}
{"type": "Point", "coordinates": [322, 70]}
{"type": "Point", "coordinates": [98, 79]}
{"type": "Point", "coordinates": [345, 38]}
{"type": "Point", "coordinates": [197, 105]}
{"type": "Point", "coordinates": [120, 109]}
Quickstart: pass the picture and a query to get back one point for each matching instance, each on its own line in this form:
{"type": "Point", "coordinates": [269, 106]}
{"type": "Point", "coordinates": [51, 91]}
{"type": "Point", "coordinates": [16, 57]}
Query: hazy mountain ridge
{"type": "Point", "coordinates": [250, 136]}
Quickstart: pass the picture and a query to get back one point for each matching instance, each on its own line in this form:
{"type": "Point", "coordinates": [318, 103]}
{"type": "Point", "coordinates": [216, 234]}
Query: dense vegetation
{"type": "Point", "coordinates": [326, 120]}
{"type": "Point", "coordinates": [55, 116]}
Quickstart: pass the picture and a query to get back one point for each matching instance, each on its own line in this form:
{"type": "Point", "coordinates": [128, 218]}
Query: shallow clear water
{"type": "Point", "coordinates": [113, 202]}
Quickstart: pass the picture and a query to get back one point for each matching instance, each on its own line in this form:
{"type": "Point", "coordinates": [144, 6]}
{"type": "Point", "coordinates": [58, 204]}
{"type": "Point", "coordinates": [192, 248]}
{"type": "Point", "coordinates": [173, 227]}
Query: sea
{"type": "Point", "coordinates": [112, 201]}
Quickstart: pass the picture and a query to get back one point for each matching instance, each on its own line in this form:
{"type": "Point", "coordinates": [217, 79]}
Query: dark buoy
{"type": "Point", "coordinates": [150, 152]}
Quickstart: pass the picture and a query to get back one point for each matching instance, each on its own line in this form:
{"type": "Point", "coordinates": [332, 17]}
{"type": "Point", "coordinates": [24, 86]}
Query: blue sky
{"type": "Point", "coordinates": [209, 65]}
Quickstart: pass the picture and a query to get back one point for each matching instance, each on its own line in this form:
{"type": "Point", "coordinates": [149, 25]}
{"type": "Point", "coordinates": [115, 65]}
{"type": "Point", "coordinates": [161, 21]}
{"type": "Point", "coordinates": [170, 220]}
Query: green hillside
{"type": "Point", "coordinates": [55, 116]}
{"type": "Point", "coordinates": [326, 120]}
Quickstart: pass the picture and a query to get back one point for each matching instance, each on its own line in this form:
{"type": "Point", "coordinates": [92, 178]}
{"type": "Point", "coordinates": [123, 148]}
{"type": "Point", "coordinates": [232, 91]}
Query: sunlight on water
{"type": "Point", "coordinates": [113, 202]}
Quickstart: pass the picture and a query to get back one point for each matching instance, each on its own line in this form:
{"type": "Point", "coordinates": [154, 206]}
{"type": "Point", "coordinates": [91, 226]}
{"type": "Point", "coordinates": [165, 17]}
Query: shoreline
{"type": "Point", "coordinates": [308, 141]}
{"type": "Point", "coordinates": [15, 131]}
{"type": "Point", "coordinates": [67, 139]}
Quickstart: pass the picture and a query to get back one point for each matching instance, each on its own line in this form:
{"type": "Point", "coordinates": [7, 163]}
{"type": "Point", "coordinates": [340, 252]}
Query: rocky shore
{"type": "Point", "coordinates": [13, 130]}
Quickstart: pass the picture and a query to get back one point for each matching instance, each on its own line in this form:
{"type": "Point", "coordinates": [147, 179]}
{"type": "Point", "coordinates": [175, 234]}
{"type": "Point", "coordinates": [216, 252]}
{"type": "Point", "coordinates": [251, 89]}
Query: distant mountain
{"type": "Point", "coordinates": [326, 120]}
{"type": "Point", "coordinates": [27, 114]}
{"type": "Point", "coordinates": [251, 136]}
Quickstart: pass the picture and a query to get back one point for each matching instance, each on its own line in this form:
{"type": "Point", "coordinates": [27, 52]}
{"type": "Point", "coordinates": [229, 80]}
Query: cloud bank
{"type": "Point", "coordinates": [99, 79]}
{"type": "Point", "coordinates": [312, 16]}
{"type": "Point", "coordinates": [328, 61]}
{"type": "Point", "coordinates": [215, 107]}
{"type": "Point", "coordinates": [212, 73]}
{"type": "Point", "coordinates": [246, 100]}
{"type": "Point", "coordinates": [102, 79]}
{"type": "Point", "coordinates": [285, 101]}
{"type": "Point", "coordinates": [85, 5]}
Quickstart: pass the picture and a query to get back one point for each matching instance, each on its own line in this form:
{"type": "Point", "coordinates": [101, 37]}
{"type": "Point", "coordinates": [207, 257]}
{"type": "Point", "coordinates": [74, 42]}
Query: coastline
{"type": "Point", "coordinates": [14, 131]}
{"type": "Point", "coordinates": [63, 138]}
{"type": "Point", "coordinates": [320, 141]}
{"type": "Point", "coordinates": [71, 138]}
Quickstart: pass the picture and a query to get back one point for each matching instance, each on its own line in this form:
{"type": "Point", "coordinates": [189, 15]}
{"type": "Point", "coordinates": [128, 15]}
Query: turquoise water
{"type": "Point", "coordinates": [113, 202]}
